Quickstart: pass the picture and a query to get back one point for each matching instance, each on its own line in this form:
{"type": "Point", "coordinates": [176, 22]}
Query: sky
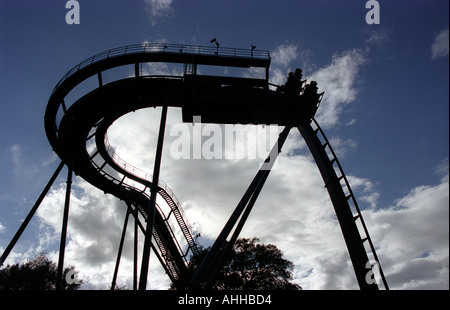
{"type": "Point", "coordinates": [385, 111]}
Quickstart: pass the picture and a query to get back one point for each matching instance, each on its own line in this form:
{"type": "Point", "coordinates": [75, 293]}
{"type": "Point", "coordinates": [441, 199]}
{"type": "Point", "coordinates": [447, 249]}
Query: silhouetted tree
{"type": "Point", "coordinates": [250, 266]}
{"type": "Point", "coordinates": [38, 274]}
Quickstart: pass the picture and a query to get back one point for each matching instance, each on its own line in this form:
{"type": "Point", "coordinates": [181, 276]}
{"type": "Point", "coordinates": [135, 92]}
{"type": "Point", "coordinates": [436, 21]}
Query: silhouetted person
{"type": "Point", "coordinates": [311, 97]}
{"type": "Point", "coordinates": [294, 84]}
{"type": "Point", "coordinates": [298, 73]}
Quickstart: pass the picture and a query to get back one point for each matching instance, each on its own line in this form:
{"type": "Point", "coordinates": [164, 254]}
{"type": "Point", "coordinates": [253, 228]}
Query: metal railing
{"type": "Point", "coordinates": [190, 247]}
{"type": "Point", "coordinates": [141, 174]}
{"type": "Point", "coordinates": [167, 48]}
{"type": "Point", "coordinates": [168, 261]}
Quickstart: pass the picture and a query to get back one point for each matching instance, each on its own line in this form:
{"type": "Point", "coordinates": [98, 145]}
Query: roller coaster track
{"type": "Point", "coordinates": [344, 201]}
{"type": "Point", "coordinates": [101, 166]}
{"type": "Point", "coordinates": [79, 114]}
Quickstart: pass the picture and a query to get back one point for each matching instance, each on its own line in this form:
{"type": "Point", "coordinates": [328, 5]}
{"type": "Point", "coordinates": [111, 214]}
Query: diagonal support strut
{"type": "Point", "coordinates": [30, 214]}
{"type": "Point", "coordinates": [253, 189]}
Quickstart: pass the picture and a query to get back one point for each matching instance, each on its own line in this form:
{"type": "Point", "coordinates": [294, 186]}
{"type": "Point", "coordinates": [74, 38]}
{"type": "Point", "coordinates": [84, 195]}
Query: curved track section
{"type": "Point", "coordinates": [103, 169]}
{"type": "Point", "coordinates": [77, 133]}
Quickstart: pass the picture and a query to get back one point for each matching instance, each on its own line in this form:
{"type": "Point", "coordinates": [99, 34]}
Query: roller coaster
{"type": "Point", "coordinates": [83, 105]}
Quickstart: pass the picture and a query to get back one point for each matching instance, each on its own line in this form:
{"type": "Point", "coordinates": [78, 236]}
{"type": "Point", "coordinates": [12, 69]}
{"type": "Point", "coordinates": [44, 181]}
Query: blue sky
{"type": "Point", "coordinates": [385, 109]}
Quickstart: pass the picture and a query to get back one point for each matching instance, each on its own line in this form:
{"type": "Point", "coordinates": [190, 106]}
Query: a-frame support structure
{"type": "Point", "coordinates": [347, 214]}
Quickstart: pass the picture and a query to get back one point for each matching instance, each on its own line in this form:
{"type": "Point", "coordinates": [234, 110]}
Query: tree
{"type": "Point", "coordinates": [250, 266]}
{"type": "Point", "coordinates": [38, 274]}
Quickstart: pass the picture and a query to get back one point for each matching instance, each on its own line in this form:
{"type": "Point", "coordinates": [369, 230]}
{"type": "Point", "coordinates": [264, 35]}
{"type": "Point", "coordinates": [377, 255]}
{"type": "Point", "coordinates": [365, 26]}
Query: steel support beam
{"type": "Point", "coordinates": [262, 174]}
{"type": "Point", "coordinates": [62, 245]}
{"type": "Point", "coordinates": [236, 233]}
{"type": "Point", "coordinates": [152, 204]}
{"type": "Point", "coordinates": [30, 214]}
{"type": "Point", "coordinates": [135, 256]}
{"type": "Point", "coordinates": [119, 252]}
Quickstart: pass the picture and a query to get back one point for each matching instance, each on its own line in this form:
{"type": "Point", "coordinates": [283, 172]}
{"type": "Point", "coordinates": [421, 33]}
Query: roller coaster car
{"type": "Point", "coordinates": [233, 100]}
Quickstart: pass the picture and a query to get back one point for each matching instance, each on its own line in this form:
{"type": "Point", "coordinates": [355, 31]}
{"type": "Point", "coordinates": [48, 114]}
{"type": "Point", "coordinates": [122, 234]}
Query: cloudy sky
{"type": "Point", "coordinates": [385, 111]}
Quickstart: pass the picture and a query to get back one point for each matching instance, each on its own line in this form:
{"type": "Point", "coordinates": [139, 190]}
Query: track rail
{"type": "Point", "coordinates": [356, 211]}
{"type": "Point", "coordinates": [133, 173]}
{"type": "Point", "coordinates": [166, 48]}
{"type": "Point", "coordinates": [349, 215]}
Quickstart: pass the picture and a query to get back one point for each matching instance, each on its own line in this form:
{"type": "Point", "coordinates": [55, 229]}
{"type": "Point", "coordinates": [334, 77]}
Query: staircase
{"type": "Point", "coordinates": [164, 255]}
{"type": "Point", "coordinates": [177, 211]}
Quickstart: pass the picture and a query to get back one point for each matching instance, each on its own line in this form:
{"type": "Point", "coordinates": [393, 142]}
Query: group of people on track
{"type": "Point", "coordinates": [294, 90]}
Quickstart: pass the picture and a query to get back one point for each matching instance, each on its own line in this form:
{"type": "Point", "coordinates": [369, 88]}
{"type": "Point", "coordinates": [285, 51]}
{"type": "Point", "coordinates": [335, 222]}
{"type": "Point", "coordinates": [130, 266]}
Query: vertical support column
{"type": "Point", "coordinates": [152, 204]}
{"type": "Point", "coordinates": [136, 70]}
{"type": "Point", "coordinates": [100, 79]}
{"type": "Point", "coordinates": [62, 245]}
{"type": "Point", "coordinates": [136, 234]}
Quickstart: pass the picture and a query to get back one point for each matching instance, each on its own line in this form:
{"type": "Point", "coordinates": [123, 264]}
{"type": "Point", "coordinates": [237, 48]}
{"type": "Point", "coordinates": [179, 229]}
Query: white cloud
{"type": "Point", "coordinates": [284, 54]}
{"type": "Point", "coordinates": [158, 9]}
{"type": "Point", "coordinates": [23, 168]}
{"type": "Point", "coordinates": [281, 61]}
{"type": "Point", "coordinates": [440, 45]}
{"type": "Point", "coordinates": [342, 147]}
{"type": "Point", "coordinates": [339, 81]}
{"type": "Point", "coordinates": [412, 237]}
{"type": "Point", "coordinates": [442, 169]}
{"type": "Point", "coordinates": [286, 58]}
{"type": "Point", "coordinates": [18, 257]}
{"type": "Point", "coordinates": [365, 190]}
{"type": "Point", "coordinates": [378, 38]}
{"type": "Point", "coordinates": [161, 68]}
